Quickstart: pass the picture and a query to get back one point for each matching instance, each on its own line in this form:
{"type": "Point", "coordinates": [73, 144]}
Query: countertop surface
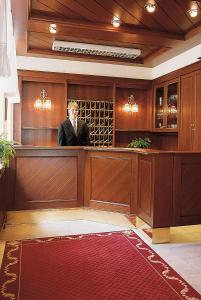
{"type": "Point", "coordinates": [105, 149]}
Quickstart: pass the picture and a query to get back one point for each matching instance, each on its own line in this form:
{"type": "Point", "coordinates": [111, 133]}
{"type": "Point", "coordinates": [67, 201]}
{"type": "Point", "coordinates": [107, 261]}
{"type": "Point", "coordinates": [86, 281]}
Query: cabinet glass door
{"type": "Point", "coordinates": [159, 108]}
{"type": "Point", "coordinates": [172, 106]}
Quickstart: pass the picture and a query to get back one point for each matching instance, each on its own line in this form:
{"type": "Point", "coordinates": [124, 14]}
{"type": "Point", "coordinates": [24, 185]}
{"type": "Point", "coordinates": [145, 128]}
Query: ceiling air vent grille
{"type": "Point", "coordinates": [99, 50]}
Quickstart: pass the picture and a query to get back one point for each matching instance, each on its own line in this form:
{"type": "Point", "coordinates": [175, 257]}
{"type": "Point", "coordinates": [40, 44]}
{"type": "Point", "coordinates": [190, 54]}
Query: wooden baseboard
{"type": "Point", "coordinates": [102, 205]}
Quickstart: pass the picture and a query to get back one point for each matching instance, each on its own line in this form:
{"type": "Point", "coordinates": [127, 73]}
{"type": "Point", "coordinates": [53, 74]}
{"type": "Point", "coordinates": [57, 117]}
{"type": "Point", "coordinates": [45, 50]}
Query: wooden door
{"type": "Point", "coordinates": [197, 126]}
{"type": "Point", "coordinates": [187, 112]}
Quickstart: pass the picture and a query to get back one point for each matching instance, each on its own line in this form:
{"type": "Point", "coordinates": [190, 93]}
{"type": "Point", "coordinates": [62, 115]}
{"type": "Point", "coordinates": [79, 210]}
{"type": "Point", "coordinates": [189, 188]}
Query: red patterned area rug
{"type": "Point", "coordinates": [108, 266]}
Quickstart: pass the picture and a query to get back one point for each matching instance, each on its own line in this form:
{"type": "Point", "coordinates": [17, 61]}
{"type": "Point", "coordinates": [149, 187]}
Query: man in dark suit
{"type": "Point", "coordinates": [73, 132]}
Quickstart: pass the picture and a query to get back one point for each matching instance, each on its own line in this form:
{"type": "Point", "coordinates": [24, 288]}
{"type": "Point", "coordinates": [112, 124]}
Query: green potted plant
{"type": "Point", "coordinates": [6, 152]}
{"type": "Point", "coordinates": [140, 143]}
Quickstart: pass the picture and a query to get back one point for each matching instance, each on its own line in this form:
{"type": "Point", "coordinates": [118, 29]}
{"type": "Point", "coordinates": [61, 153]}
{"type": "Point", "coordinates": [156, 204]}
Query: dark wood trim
{"type": "Point", "coordinates": [128, 34]}
{"type": "Point", "coordinates": [84, 79]}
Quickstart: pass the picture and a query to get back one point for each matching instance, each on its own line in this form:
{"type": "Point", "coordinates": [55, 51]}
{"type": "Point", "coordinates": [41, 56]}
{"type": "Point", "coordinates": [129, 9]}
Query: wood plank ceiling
{"type": "Point", "coordinates": [89, 21]}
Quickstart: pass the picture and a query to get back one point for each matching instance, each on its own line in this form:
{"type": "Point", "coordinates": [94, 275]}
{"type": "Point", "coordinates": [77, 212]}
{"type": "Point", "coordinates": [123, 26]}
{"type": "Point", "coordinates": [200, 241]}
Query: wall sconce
{"type": "Point", "coordinates": [131, 106]}
{"type": "Point", "coordinates": [43, 103]}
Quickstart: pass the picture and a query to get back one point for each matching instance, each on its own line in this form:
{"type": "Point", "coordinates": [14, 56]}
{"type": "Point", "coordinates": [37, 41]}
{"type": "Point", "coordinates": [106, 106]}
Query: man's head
{"type": "Point", "coordinates": [73, 109]}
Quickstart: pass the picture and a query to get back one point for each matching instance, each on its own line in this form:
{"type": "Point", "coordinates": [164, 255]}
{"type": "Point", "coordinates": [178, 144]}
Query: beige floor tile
{"type": "Point", "coordinates": [36, 216]}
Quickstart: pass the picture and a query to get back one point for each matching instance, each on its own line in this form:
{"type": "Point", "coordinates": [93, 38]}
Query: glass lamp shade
{"type": "Point", "coordinates": [134, 107]}
{"type": "Point", "coordinates": [38, 104]}
{"type": "Point", "coordinates": [47, 104]}
{"type": "Point", "coordinates": [127, 107]}
{"type": "Point", "coordinates": [131, 106]}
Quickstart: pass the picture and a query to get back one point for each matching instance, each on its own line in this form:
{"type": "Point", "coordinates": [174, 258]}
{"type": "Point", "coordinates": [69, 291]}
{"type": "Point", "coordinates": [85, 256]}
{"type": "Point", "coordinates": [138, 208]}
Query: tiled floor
{"type": "Point", "coordinates": [183, 253]}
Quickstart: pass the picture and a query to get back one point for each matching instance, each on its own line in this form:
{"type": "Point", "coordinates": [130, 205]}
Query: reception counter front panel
{"type": "Point", "coordinates": [160, 187]}
{"type": "Point", "coordinates": [110, 180]}
{"type": "Point", "coordinates": [47, 178]}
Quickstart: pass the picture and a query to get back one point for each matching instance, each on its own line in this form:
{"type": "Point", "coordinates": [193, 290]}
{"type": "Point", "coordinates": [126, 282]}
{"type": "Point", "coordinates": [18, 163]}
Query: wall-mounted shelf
{"type": "Point", "coordinates": [128, 129]}
{"type": "Point", "coordinates": [40, 128]}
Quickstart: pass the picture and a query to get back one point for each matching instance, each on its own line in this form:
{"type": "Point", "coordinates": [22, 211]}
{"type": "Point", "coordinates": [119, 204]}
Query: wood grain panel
{"type": "Point", "coordinates": [3, 193]}
{"type": "Point", "coordinates": [140, 14]}
{"type": "Point", "coordinates": [57, 7]}
{"type": "Point", "coordinates": [116, 186]}
{"type": "Point", "coordinates": [87, 92]}
{"type": "Point", "coordinates": [169, 26]}
{"type": "Point", "coordinates": [155, 189]}
{"type": "Point", "coordinates": [17, 122]}
{"type": "Point", "coordinates": [165, 141]}
{"type": "Point", "coordinates": [111, 180]}
{"type": "Point", "coordinates": [34, 118]}
{"type": "Point", "coordinates": [197, 111]}
{"type": "Point", "coordinates": [145, 196]}
{"type": "Point", "coordinates": [163, 190]}
{"type": "Point", "coordinates": [39, 137]}
{"type": "Point", "coordinates": [187, 117]}
{"type": "Point", "coordinates": [187, 190]}
{"type": "Point", "coordinates": [44, 181]}
{"type": "Point", "coordinates": [39, 127]}
{"type": "Point", "coordinates": [124, 137]}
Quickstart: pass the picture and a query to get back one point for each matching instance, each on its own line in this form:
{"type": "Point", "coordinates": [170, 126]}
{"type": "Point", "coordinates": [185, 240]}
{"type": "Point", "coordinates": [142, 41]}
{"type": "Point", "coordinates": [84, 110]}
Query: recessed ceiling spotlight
{"type": "Point", "coordinates": [53, 28]}
{"type": "Point", "coordinates": [150, 7]}
{"type": "Point", "coordinates": [193, 12]}
{"type": "Point", "coordinates": [116, 22]}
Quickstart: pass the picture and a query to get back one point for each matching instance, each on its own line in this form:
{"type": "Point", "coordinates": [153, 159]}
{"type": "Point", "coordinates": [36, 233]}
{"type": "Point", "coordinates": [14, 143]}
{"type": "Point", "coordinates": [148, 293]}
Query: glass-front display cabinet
{"type": "Point", "coordinates": [166, 106]}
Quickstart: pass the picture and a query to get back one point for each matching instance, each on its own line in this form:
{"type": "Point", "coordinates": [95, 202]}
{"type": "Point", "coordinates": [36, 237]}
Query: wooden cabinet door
{"type": "Point", "coordinates": [187, 112]}
{"type": "Point", "coordinates": [197, 128]}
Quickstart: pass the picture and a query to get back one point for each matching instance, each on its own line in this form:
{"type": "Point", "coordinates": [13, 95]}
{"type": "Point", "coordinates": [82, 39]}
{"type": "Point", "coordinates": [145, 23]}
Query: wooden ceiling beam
{"type": "Point", "coordinates": [124, 28]}
{"type": "Point", "coordinates": [154, 54]}
{"type": "Point", "coordinates": [196, 30]}
{"type": "Point", "coordinates": [105, 32]}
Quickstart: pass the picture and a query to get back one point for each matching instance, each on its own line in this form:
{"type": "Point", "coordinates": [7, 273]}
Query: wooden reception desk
{"type": "Point", "coordinates": [162, 188]}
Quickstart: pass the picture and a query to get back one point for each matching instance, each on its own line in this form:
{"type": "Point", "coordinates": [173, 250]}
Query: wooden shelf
{"type": "Point", "coordinates": [99, 117]}
{"type": "Point", "coordinates": [132, 130]}
{"type": "Point", "coordinates": [40, 128]}
{"type": "Point", "coordinates": [165, 130]}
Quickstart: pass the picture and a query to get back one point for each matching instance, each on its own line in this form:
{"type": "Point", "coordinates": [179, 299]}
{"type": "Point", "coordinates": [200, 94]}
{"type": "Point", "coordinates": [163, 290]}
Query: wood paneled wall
{"type": "Point", "coordinates": [87, 92]}
{"type": "Point", "coordinates": [36, 127]}
{"type": "Point", "coordinates": [126, 125]}
{"type": "Point", "coordinates": [142, 120]}
{"type": "Point", "coordinates": [39, 127]}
